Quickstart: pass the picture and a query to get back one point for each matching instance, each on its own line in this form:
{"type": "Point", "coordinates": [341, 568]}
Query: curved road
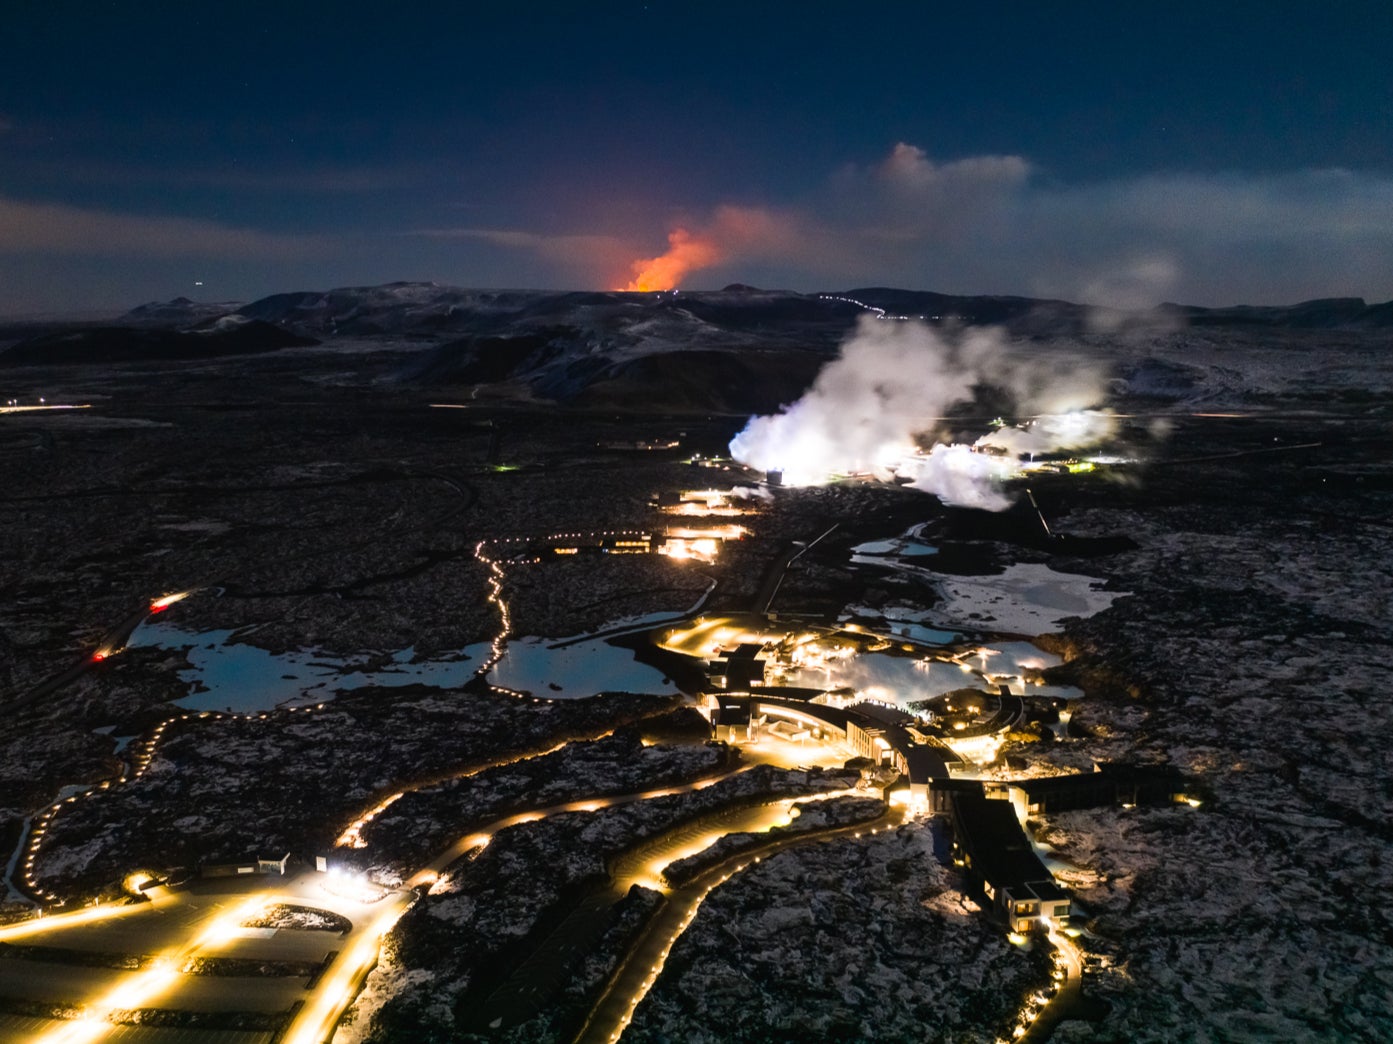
{"type": "Point", "coordinates": [644, 962]}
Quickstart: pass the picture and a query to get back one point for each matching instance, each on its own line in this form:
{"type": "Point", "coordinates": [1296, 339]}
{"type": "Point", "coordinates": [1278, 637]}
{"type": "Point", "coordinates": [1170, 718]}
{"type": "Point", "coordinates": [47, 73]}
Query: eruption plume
{"type": "Point", "coordinates": [873, 407]}
{"type": "Point", "coordinates": [686, 252]}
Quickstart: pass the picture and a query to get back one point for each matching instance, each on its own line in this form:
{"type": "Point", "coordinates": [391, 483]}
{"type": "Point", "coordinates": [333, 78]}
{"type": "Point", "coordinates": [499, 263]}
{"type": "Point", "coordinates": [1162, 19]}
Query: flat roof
{"type": "Point", "coordinates": [990, 833]}
{"type": "Point", "coordinates": [786, 692]}
{"type": "Point", "coordinates": [1048, 891]}
{"type": "Point", "coordinates": [1106, 775]}
{"type": "Point", "coordinates": [883, 714]}
{"type": "Point", "coordinates": [924, 762]}
{"type": "Point", "coordinates": [834, 716]}
{"type": "Point", "coordinates": [746, 651]}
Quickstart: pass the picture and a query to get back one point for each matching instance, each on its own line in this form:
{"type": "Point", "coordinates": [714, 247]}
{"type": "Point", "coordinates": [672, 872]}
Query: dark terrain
{"type": "Point", "coordinates": [305, 483]}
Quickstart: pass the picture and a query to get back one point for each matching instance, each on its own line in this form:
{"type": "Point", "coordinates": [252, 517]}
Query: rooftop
{"type": "Point", "coordinates": [990, 833]}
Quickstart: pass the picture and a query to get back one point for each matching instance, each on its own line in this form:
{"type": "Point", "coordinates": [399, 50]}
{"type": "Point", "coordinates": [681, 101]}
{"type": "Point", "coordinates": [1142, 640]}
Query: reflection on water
{"type": "Point", "coordinates": [575, 670]}
{"type": "Point", "coordinates": [232, 676]}
{"type": "Point", "coordinates": [243, 678]}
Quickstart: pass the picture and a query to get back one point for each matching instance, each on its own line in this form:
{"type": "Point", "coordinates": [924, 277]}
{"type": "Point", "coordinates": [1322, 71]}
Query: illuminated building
{"type": "Point", "coordinates": [254, 865]}
{"type": "Point", "coordinates": [700, 503]}
{"type": "Point", "coordinates": [992, 847]}
{"type": "Point", "coordinates": [1105, 785]}
{"type": "Point", "coordinates": [883, 735]}
{"type": "Point", "coordinates": [740, 669]}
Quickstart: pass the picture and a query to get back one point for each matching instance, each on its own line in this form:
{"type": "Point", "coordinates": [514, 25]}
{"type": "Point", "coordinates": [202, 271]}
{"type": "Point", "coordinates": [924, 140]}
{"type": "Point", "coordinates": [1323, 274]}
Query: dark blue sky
{"type": "Point", "coordinates": [1204, 152]}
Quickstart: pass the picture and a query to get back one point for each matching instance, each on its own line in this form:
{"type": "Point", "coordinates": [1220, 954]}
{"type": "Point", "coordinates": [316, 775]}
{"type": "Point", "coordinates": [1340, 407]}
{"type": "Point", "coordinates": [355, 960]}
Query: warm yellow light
{"type": "Point", "coordinates": [226, 927]}
{"type": "Point", "coordinates": [352, 837]}
{"type": "Point", "coordinates": [316, 1020]}
{"type": "Point", "coordinates": [168, 600]}
{"type": "Point", "coordinates": [53, 922]}
{"type": "Point", "coordinates": [136, 991]}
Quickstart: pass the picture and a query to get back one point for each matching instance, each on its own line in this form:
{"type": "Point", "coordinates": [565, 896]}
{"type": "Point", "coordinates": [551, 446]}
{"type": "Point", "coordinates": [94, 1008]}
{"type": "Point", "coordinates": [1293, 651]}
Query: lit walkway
{"type": "Point", "coordinates": [641, 968]}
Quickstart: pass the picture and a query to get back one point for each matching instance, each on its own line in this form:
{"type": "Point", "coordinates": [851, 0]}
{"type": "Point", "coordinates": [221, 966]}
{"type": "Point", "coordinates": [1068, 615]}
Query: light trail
{"type": "Point", "coordinates": [1042, 1010]}
{"type": "Point", "coordinates": [499, 645]}
{"type": "Point", "coordinates": [139, 766]}
{"type": "Point", "coordinates": [352, 835]}
{"type": "Point", "coordinates": [13, 407]}
{"type": "Point", "coordinates": [480, 838]}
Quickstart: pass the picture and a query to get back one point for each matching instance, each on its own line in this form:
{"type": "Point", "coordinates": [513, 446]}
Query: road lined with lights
{"type": "Point", "coordinates": [639, 970]}
{"type": "Point", "coordinates": [13, 406]}
{"type": "Point", "coordinates": [480, 838]}
{"type": "Point", "coordinates": [210, 920]}
{"type": "Point", "coordinates": [112, 642]}
{"type": "Point", "coordinates": [1044, 1011]}
{"type": "Point", "coordinates": [541, 975]}
{"type": "Point", "coordinates": [335, 991]}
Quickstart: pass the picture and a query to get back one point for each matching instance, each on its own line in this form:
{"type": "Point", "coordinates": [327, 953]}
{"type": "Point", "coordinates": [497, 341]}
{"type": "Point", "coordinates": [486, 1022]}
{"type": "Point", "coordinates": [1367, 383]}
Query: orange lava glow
{"type": "Point", "coordinates": [686, 252]}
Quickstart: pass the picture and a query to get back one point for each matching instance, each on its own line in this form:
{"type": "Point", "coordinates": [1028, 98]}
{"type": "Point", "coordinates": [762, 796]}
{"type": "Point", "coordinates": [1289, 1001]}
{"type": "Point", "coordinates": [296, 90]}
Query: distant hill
{"type": "Point", "coordinates": [180, 312]}
{"type": "Point", "coordinates": [740, 349]}
{"type": "Point", "coordinates": [106, 344]}
{"type": "Point", "coordinates": [1329, 313]}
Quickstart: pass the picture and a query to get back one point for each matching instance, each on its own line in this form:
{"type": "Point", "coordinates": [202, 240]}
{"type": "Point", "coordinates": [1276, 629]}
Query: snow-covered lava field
{"type": "Point", "coordinates": [420, 575]}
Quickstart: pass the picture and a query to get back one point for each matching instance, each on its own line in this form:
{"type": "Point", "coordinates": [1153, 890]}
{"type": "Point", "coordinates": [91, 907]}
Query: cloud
{"type": "Point", "coordinates": [994, 224]}
{"type": "Point", "coordinates": [590, 256]}
{"type": "Point", "coordinates": [283, 180]}
{"type": "Point", "coordinates": [55, 228]}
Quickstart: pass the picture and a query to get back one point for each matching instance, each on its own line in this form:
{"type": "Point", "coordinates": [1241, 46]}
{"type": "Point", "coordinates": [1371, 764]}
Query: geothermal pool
{"type": "Point", "coordinates": [227, 675]}
{"type": "Point", "coordinates": [232, 676]}
{"type": "Point", "coordinates": [575, 670]}
{"type": "Point", "coordinates": [904, 679]}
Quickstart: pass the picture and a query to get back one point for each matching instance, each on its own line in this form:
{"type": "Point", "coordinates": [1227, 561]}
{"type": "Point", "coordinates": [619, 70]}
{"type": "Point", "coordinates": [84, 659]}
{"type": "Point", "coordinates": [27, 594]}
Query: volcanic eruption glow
{"type": "Point", "coordinates": [686, 252]}
{"type": "Point", "coordinates": [876, 405]}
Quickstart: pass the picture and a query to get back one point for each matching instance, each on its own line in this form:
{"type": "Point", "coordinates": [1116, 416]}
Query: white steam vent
{"type": "Point", "coordinates": [884, 397]}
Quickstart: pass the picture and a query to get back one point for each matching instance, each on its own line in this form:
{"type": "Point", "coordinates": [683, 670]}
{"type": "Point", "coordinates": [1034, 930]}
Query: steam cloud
{"type": "Point", "coordinates": [685, 253]}
{"type": "Point", "coordinates": [884, 397]}
{"type": "Point", "coordinates": [730, 232]}
{"type": "Point", "coordinates": [990, 222]}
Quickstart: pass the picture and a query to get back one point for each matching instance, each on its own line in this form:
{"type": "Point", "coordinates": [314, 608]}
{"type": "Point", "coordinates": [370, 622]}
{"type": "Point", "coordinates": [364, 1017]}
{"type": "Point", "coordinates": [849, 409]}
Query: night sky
{"type": "Point", "coordinates": [1123, 154]}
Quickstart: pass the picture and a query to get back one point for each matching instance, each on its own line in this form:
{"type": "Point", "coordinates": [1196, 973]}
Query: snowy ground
{"type": "Point", "coordinates": [1028, 598]}
{"type": "Point", "coordinates": [787, 951]}
{"type": "Point", "coordinates": [1253, 657]}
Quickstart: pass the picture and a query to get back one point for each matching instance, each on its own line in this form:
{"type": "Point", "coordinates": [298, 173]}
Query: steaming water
{"type": "Point", "coordinates": [869, 407]}
{"type": "Point", "coordinates": [914, 632]}
{"type": "Point", "coordinates": [902, 680]}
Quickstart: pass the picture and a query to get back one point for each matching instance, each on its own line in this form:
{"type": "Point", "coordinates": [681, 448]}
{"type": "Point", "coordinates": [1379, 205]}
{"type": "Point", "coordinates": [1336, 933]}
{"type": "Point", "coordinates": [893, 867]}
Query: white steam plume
{"type": "Point", "coordinates": [751, 493]}
{"type": "Point", "coordinates": [887, 391]}
{"type": "Point", "coordinates": [1055, 431]}
{"type": "Point", "coordinates": [956, 474]}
